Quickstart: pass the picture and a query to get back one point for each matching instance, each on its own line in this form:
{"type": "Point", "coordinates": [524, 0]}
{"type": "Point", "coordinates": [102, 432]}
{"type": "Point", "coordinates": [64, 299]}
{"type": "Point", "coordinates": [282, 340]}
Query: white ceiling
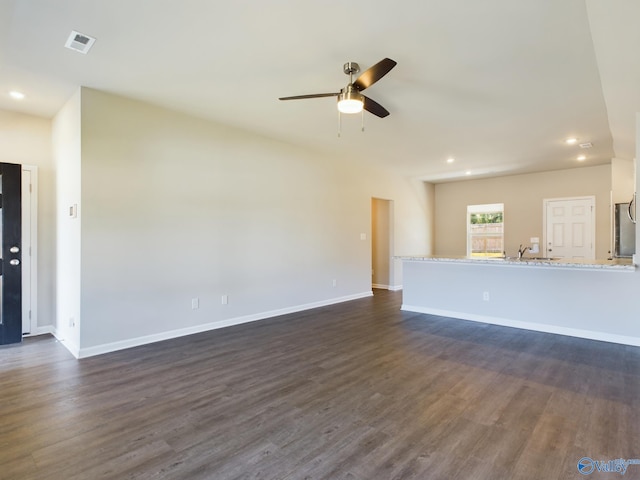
{"type": "Point", "coordinates": [497, 84]}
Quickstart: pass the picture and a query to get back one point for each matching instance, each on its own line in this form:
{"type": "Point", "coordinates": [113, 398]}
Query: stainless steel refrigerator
{"type": "Point", "coordinates": [625, 231]}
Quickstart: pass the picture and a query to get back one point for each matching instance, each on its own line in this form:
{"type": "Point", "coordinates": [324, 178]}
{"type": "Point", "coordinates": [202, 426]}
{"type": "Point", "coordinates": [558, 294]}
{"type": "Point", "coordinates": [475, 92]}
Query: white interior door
{"type": "Point", "coordinates": [570, 228]}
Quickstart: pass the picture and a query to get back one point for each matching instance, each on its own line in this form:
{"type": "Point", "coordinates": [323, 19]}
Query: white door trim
{"type": "Point", "coordinates": [545, 203]}
{"type": "Point", "coordinates": [30, 303]}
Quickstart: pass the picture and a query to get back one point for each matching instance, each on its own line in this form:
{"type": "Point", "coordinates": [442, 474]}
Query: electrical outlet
{"type": "Point", "coordinates": [485, 296]}
{"type": "Point", "coordinates": [195, 303]}
{"type": "Point", "coordinates": [72, 322]}
{"type": "Point", "coordinates": [225, 299]}
{"type": "Point", "coordinates": [334, 282]}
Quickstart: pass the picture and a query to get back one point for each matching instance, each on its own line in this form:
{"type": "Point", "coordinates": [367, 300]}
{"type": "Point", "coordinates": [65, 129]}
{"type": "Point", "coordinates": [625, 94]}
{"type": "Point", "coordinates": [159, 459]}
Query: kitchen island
{"type": "Point", "coordinates": [598, 300]}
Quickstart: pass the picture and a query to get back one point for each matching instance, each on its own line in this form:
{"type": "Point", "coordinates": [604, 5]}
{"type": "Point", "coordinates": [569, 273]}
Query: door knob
{"type": "Point", "coordinates": [14, 261]}
{"type": "Point", "coordinates": [14, 249]}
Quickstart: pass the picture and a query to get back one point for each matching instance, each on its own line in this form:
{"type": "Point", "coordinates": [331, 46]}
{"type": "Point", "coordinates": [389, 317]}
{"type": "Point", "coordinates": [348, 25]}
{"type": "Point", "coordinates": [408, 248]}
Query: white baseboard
{"type": "Point", "coordinates": [72, 347]}
{"type": "Point", "coordinates": [538, 327]}
{"type": "Point", "coordinates": [47, 329]}
{"type": "Point", "coordinates": [391, 288]}
{"type": "Point", "coordinates": [181, 332]}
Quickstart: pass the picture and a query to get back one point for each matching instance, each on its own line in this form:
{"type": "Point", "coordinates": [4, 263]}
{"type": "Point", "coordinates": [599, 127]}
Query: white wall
{"type": "Point", "coordinates": [26, 140]}
{"type": "Point", "coordinates": [175, 207]}
{"type": "Point", "coordinates": [67, 158]}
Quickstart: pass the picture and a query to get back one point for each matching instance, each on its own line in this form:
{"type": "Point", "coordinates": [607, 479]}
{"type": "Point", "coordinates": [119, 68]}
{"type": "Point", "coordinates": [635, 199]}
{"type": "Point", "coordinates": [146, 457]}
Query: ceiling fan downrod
{"type": "Point", "coordinates": [350, 68]}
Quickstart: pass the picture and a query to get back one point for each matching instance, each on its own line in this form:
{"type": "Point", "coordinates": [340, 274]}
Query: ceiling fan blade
{"type": "Point", "coordinates": [313, 95]}
{"type": "Point", "coordinates": [375, 73]}
{"type": "Point", "coordinates": [374, 107]}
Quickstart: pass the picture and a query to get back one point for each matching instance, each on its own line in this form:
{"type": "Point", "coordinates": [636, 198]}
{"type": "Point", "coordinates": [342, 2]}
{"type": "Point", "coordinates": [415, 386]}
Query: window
{"type": "Point", "coordinates": [485, 230]}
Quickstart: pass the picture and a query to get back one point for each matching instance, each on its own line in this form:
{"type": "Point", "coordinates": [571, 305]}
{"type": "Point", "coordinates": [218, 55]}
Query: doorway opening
{"type": "Point", "coordinates": [382, 262]}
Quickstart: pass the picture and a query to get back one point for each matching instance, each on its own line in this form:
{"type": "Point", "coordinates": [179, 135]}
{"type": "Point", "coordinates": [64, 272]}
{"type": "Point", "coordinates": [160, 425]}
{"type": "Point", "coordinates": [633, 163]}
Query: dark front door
{"type": "Point", "coordinates": [11, 251]}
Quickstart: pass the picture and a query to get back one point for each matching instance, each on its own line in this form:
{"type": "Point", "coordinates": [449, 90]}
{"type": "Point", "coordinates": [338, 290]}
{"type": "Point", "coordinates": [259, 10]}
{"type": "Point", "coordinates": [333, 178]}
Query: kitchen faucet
{"type": "Point", "coordinates": [522, 251]}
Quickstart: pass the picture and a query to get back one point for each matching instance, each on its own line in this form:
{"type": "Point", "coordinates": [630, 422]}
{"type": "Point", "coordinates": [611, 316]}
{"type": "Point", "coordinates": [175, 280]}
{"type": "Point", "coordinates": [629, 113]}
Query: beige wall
{"type": "Point", "coordinates": [623, 180]}
{"type": "Point", "coordinates": [174, 207]}
{"type": "Point", "coordinates": [171, 207]}
{"type": "Point", "coordinates": [523, 197]}
{"type": "Point", "coordinates": [26, 140]}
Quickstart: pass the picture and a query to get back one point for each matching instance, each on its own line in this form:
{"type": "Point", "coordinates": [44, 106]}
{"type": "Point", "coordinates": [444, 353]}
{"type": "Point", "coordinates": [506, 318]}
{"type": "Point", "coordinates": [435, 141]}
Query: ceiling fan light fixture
{"type": "Point", "coordinates": [350, 102]}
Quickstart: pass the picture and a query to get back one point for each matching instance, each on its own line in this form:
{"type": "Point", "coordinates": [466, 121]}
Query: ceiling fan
{"type": "Point", "coordinates": [350, 100]}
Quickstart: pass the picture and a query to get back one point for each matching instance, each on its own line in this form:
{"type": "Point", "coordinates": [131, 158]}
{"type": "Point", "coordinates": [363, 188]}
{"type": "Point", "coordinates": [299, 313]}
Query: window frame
{"type": "Point", "coordinates": [479, 209]}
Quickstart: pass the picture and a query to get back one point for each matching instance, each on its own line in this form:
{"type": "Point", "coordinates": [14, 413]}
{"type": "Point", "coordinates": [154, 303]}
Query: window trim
{"type": "Point", "coordinates": [483, 208]}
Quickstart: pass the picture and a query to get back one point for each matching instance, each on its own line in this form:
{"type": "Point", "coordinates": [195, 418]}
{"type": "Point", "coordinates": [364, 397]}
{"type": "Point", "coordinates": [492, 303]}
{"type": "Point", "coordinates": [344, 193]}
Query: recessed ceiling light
{"type": "Point", "coordinates": [16, 95]}
{"type": "Point", "coordinates": [571, 140]}
{"type": "Point", "coordinates": [451, 160]}
{"type": "Point", "coordinates": [581, 158]}
{"type": "Point", "coordinates": [468, 172]}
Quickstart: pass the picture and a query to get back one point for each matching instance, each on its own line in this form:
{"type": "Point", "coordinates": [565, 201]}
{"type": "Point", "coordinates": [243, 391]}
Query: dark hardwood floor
{"type": "Point", "coordinates": [356, 391]}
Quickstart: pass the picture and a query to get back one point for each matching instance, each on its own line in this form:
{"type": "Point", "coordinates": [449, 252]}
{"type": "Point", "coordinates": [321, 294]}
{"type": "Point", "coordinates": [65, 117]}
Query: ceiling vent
{"type": "Point", "coordinates": [79, 42]}
{"type": "Point", "coordinates": [586, 145]}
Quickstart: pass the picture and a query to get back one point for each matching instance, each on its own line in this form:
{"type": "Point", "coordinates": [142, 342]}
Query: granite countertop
{"type": "Point", "coordinates": [623, 264]}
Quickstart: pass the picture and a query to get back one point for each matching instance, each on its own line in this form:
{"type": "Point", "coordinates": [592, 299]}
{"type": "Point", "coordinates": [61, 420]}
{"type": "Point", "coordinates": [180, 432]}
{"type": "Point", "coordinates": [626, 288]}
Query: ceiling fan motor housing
{"type": "Point", "coordinates": [350, 93]}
